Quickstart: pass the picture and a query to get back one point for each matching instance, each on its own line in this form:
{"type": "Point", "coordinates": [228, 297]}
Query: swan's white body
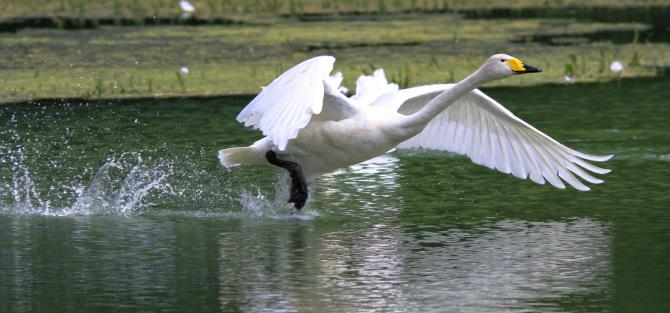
{"type": "Point", "coordinates": [325, 145]}
{"type": "Point", "coordinates": [308, 121]}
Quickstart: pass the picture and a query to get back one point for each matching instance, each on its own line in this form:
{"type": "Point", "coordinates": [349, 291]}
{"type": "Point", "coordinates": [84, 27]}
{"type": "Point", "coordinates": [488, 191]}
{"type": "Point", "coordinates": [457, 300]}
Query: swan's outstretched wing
{"type": "Point", "coordinates": [481, 128]}
{"type": "Point", "coordinates": [288, 103]}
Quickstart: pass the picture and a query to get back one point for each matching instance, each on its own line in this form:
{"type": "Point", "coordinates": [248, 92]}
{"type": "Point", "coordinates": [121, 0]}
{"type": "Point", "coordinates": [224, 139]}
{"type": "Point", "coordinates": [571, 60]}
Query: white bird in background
{"type": "Point", "coordinates": [616, 67]}
{"type": "Point", "coordinates": [311, 128]}
{"type": "Point", "coordinates": [186, 6]}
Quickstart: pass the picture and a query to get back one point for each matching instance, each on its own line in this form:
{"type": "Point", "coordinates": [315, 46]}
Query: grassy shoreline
{"type": "Point", "coordinates": [117, 62]}
{"type": "Point", "coordinates": [241, 98]}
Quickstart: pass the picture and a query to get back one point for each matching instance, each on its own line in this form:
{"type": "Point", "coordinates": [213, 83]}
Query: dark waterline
{"type": "Point", "coordinates": [614, 37]}
{"type": "Point", "coordinates": [78, 23]}
{"type": "Point", "coordinates": [656, 17]}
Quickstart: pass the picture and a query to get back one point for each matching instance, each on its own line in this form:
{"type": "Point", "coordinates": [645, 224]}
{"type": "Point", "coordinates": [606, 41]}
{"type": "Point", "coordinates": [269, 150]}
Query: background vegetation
{"type": "Point", "coordinates": [151, 48]}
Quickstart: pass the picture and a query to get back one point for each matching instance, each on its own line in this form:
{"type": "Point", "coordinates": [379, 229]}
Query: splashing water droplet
{"type": "Point", "coordinates": [124, 192]}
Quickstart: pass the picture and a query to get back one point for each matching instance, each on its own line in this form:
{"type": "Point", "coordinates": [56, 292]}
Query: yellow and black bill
{"type": "Point", "coordinates": [519, 67]}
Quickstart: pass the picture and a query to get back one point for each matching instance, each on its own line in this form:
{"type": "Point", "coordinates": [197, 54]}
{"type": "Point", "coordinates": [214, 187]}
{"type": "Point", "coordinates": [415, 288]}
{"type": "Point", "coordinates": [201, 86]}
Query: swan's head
{"type": "Point", "coordinates": [502, 65]}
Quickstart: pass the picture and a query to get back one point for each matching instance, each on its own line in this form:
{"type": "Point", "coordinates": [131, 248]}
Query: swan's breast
{"type": "Point", "coordinates": [323, 146]}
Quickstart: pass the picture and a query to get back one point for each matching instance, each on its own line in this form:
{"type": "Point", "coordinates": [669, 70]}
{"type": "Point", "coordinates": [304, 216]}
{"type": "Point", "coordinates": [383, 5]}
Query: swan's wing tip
{"type": "Point", "coordinates": [584, 188]}
{"type": "Point", "coordinates": [593, 157]}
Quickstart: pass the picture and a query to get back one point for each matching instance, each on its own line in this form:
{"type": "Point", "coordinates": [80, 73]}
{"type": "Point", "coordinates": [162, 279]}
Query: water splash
{"type": "Point", "coordinates": [124, 192]}
{"type": "Point", "coordinates": [53, 162]}
{"type": "Point", "coordinates": [260, 205]}
{"type": "Point", "coordinates": [22, 188]}
{"type": "Point", "coordinates": [123, 185]}
{"type": "Point", "coordinates": [131, 184]}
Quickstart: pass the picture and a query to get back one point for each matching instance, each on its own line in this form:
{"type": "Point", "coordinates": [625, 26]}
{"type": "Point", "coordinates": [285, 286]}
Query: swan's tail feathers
{"type": "Point", "coordinates": [240, 156]}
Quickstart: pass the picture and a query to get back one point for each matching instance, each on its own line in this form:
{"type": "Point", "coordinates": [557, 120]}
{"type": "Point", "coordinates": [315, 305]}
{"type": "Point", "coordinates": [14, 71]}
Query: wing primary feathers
{"type": "Point", "coordinates": [490, 135]}
{"type": "Point", "coordinates": [474, 147]}
{"type": "Point", "coordinates": [589, 166]}
{"type": "Point", "coordinates": [584, 175]}
{"type": "Point", "coordinates": [574, 182]}
{"type": "Point", "coordinates": [487, 152]}
{"type": "Point", "coordinates": [562, 171]}
{"type": "Point", "coordinates": [590, 157]}
{"type": "Point", "coordinates": [502, 140]}
{"type": "Point", "coordinates": [535, 173]}
{"type": "Point", "coordinates": [516, 161]}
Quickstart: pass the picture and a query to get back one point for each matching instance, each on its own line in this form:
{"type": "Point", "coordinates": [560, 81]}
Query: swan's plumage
{"type": "Point", "coordinates": [336, 106]}
{"type": "Point", "coordinates": [286, 105]}
{"type": "Point", "coordinates": [481, 128]}
{"type": "Point", "coordinates": [370, 87]}
{"type": "Point", "coordinates": [306, 118]}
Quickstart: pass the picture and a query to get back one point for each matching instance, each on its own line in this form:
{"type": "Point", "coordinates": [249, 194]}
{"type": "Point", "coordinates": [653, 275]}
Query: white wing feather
{"type": "Point", "coordinates": [370, 87]}
{"type": "Point", "coordinates": [287, 104]}
{"type": "Point", "coordinates": [481, 128]}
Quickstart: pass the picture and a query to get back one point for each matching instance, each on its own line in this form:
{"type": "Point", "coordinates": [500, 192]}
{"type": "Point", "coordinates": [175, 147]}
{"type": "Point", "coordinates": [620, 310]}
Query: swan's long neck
{"type": "Point", "coordinates": [417, 121]}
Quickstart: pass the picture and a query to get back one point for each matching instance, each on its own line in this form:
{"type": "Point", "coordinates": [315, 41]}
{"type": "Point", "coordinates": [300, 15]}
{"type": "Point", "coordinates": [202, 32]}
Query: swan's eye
{"type": "Point", "coordinates": [502, 60]}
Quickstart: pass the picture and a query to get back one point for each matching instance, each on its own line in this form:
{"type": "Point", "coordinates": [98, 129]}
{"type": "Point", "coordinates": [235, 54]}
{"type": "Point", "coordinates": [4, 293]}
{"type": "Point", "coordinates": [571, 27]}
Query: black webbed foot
{"type": "Point", "coordinates": [299, 191]}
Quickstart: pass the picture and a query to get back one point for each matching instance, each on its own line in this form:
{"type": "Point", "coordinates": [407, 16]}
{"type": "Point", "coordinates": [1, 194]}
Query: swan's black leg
{"type": "Point", "coordinates": [298, 182]}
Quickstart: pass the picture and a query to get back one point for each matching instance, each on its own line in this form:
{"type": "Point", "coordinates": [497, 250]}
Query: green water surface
{"type": "Point", "coordinates": [123, 207]}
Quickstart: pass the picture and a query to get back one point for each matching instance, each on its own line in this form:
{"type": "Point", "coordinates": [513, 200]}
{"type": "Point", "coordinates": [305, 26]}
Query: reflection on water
{"type": "Point", "coordinates": [519, 263]}
{"type": "Point", "coordinates": [248, 266]}
{"type": "Point", "coordinates": [372, 179]}
{"type": "Point", "coordinates": [97, 261]}
{"type": "Point", "coordinates": [515, 264]}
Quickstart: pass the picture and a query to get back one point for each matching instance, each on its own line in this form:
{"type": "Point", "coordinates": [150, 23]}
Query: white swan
{"type": "Point", "coordinates": [311, 128]}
